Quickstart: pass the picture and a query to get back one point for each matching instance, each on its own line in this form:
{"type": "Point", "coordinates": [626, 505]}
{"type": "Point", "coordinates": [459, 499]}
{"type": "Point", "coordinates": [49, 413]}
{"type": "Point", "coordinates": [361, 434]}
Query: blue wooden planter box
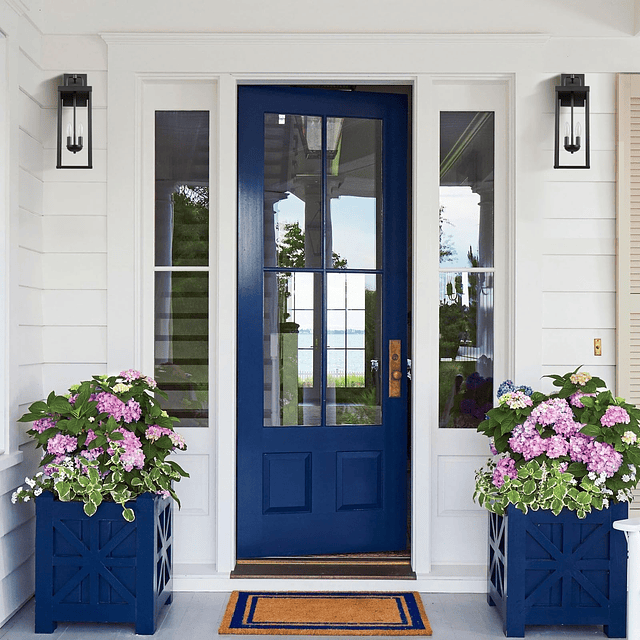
{"type": "Point", "coordinates": [102, 569]}
{"type": "Point", "coordinates": [551, 570]}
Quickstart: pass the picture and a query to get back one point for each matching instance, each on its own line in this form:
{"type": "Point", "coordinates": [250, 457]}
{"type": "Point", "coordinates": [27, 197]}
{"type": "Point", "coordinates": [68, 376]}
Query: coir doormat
{"type": "Point", "coordinates": [325, 613]}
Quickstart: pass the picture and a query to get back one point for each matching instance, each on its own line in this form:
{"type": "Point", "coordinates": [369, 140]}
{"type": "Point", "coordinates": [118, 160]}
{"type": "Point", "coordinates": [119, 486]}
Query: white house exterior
{"type": "Point", "coordinates": [77, 262]}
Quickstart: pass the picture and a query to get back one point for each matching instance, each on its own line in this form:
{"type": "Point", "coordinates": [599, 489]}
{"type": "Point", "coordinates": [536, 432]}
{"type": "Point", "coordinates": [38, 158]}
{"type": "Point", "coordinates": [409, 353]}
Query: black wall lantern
{"type": "Point", "coordinates": [572, 123]}
{"type": "Point", "coordinates": [74, 123]}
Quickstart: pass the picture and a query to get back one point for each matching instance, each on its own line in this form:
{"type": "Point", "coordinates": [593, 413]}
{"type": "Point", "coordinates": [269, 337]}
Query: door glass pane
{"type": "Point", "coordinates": [182, 188]}
{"type": "Point", "coordinates": [466, 189]}
{"type": "Point", "coordinates": [292, 354]}
{"type": "Point", "coordinates": [292, 191]}
{"type": "Point", "coordinates": [466, 348]}
{"type": "Point", "coordinates": [182, 344]}
{"type": "Point", "coordinates": [354, 193]}
{"type": "Point", "coordinates": [353, 353]}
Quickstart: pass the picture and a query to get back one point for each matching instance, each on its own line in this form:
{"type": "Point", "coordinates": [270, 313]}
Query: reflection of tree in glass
{"type": "Point", "coordinates": [185, 376]}
{"type": "Point", "coordinates": [190, 226]}
{"type": "Point", "coordinates": [447, 252]}
{"type": "Point", "coordinates": [291, 253]}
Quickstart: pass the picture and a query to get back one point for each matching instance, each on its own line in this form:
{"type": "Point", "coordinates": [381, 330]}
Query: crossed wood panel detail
{"type": "Point", "coordinates": [93, 560]}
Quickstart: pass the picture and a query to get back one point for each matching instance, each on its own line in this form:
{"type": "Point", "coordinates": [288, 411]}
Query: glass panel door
{"type": "Point", "coordinates": [322, 316]}
{"type": "Point", "coordinates": [322, 291]}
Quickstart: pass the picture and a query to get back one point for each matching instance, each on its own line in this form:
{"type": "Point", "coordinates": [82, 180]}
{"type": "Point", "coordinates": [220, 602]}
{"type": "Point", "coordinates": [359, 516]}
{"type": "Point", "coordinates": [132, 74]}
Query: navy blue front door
{"type": "Point", "coordinates": [322, 322]}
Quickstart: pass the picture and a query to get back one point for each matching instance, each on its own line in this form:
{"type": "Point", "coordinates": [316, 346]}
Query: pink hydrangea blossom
{"type": "Point", "coordinates": [108, 403]}
{"type": "Point", "coordinates": [130, 374]}
{"type": "Point", "coordinates": [43, 424]}
{"type": "Point", "coordinates": [557, 446]}
{"type": "Point", "coordinates": [515, 400]}
{"type": "Point", "coordinates": [614, 415]}
{"type": "Point", "coordinates": [505, 467]}
{"type": "Point", "coordinates": [131, 412]}
{"type": "Point", "coordinates": [575, 398]}
{"type": "Point", "coordinates": [603, 458]}
{"type": "Point", "coordinates": [551, 411]}
{"type": "Point", "coordinates": [61, 444]}
{"type": "Point", "coordinates": [526, 440]}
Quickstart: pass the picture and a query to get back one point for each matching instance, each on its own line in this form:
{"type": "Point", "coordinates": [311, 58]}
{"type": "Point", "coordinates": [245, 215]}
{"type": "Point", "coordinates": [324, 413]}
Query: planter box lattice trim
{"type": "Point", "coordinates": [550, 570]}
{"type": "Point", "coordinates": [103, 569]}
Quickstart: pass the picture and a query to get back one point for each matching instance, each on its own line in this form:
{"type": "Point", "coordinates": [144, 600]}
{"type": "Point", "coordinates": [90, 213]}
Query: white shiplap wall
{"type": "Point", "coordinates": [23, 215]}
{"type": "Point", "coordinates": [74, 258]}
{"type": "Point", "coordinates": [578, 249]}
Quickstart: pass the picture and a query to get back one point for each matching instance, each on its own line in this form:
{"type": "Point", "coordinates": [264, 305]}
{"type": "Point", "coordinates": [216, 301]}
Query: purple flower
{"type": "Point", "coordinates": [614, 415]}
{"type": "Point", "coordinates": [130, 374]}
{"type": "Point", "coordinates": [108, 403]}
{"type": "Point", "coordinates": [557, 446]}
{"type": "Point", "coordinates": [43, 424]}
{"type": "Point", "coordinates": [61, 444]}
{"type": "Point", "coordinates": [131, 412]}
{"type": "Point", "coordinates": [505, 467]}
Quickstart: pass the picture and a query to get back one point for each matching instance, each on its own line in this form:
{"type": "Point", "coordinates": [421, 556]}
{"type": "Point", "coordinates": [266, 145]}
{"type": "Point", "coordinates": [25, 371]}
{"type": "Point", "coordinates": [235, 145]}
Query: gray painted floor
{"type": "Point", "coordinates": [196, 616]}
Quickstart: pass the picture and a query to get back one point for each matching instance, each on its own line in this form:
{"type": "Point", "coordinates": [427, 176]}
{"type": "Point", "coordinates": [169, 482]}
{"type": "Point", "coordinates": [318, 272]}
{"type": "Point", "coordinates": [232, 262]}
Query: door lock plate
{"type": "Point", "coordinates": [395, 368]}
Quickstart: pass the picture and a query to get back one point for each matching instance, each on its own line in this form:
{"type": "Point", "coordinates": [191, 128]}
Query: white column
{"type": "Point", "coordinates": [631, 528]}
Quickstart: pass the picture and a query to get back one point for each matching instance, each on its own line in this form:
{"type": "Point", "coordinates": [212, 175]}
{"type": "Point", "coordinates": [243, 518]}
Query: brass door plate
{"type": "Point", "coordinates": [395, 368]}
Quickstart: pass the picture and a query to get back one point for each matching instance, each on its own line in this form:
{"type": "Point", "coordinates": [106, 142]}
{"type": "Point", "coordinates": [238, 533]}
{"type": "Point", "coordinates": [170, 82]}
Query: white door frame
{"type": "Point", "coordinates": [136, 60]}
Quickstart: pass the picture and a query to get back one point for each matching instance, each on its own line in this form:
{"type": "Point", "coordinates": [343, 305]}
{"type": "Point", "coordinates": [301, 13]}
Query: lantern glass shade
{"type": "Point", "coordinates": [75, 142]}
{"type": "Point", "coordinates": [572, 137]}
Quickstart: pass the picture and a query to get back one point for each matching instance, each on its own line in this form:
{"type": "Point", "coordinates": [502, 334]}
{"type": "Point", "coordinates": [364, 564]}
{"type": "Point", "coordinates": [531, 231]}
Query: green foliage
{"type": "Point", "coordinates": [107, 440]}
{"type": "Point", "coordinates": [559, 481]}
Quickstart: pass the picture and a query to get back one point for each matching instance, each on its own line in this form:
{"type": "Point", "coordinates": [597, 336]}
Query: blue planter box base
{"type": "Point", "coordinates": [103, 569]}
{"type": "Point", "coordinates": [558, 570]}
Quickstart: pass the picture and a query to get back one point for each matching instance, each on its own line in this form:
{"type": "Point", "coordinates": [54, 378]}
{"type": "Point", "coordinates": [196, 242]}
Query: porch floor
{"type": "Point", "coordinates": [197, 616]}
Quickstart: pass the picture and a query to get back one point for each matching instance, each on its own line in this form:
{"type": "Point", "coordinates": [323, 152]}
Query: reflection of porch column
{"type": "Point", "coordinates": [485, 336]}
{"type": "Point", "coordinates": [271, 320]}
{"type": "Point", "coordinates": [313, 248]}
{"type": "Point", "coordinates": [164, 257]}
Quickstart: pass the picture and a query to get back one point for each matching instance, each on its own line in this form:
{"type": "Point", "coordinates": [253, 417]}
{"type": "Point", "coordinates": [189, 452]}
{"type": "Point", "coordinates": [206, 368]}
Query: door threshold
{"type": "Point", "coordinates": [365, 566]}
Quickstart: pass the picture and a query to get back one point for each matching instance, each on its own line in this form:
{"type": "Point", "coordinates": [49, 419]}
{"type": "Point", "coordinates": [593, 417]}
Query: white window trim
{"type": "Point", "coordinates": [5, 199]}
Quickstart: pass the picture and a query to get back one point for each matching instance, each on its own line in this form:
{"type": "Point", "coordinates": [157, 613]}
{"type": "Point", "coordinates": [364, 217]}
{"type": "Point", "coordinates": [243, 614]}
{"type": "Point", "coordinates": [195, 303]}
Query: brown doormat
{"type": "Point", "coordinates": [325, 613]}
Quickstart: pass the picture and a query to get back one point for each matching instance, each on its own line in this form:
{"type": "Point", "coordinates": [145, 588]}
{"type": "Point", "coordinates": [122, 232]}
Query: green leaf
{"type": "Point", "coordinates": [591, 430]}
{"type": "Point", "coordinates": [587, 401]}
{"type": "Point", "coordinates": [128, 515]}
{"type": "Point", "coordinates": [529, 487]}
{"type": "Point", "coordinates": [513, 497]}
{"type": "Point", "coordinates": [90, 508]}
{"type": "Point", "coordinates": [577, 469]}
{"type": "Point", "coordinates": [60, 405]}
{"type": "Point", "coordinates": [95, 497]}
{"type": "Point", "coordinates": [116, 435]}
{"type": "Point", "coordinates": [557, 506]}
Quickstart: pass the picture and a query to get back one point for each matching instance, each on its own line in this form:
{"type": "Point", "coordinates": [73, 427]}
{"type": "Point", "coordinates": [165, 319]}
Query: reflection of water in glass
{"type": "Point", "coordinates": [335, 357]}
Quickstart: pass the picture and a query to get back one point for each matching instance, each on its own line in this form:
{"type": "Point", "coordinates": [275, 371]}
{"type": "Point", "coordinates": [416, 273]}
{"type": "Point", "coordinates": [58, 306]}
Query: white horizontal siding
{"type": "Point", "coordinates": [60, 376]}
{"type": "Point", "coordinates": [562, 346]}
{"type": "Point", "coordinates": [591, 200]}
{"type": "Point", "coordinates": [74, 344]}
{"type": "Point", "coordinates": [75, 234]}
{"type": "Point", "coordinates": [74, 307]}
{"type": "Point", "coordinates": [587, 273]}
{"type": "Point", "coordinates": [84, 198]}
{"type": "Point", "coordinates": [593, 310]}
{"type": "Point", "coordinates": [74, 271]}
{"type": "Point", "coordinates": [30, 118]}
{"type": "Point", "coordinates": [30, 230]}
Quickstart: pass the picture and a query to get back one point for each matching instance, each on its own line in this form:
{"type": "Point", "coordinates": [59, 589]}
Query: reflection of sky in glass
{"type": "Point", "coordinates": [353, 221]}
{"type": "Point", "coordinates": [461, 226]}
{"type": "Point", "coordinates": [287, 212]}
